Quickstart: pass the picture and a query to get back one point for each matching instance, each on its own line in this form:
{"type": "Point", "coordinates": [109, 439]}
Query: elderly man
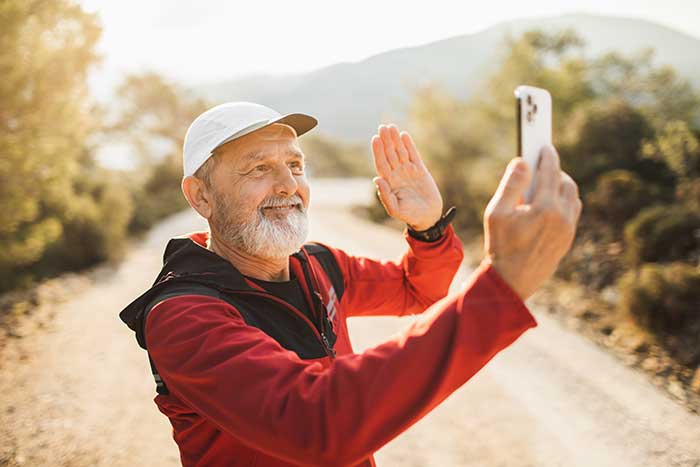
{"type": "Point", "coordinates": [245, 325]}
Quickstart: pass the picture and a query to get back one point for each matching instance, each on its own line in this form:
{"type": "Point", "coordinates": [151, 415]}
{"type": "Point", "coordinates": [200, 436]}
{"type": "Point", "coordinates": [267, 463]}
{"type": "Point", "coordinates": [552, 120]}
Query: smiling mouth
{"type": "Point", "coordinates": [286, 207]}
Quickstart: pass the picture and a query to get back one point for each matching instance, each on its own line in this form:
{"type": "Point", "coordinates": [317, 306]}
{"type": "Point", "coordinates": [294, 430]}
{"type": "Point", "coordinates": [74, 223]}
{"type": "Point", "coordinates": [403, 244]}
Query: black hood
{"type": "Point", "coordinates": [184, 262]}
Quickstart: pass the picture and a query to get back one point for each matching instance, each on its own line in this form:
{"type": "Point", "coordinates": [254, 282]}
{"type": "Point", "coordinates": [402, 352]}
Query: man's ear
{"type": "Point", "coordinates": [197, 195]}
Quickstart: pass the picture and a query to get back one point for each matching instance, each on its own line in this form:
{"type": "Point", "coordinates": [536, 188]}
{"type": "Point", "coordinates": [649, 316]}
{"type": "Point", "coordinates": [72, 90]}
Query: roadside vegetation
{"type": "Point", "coordinates": [628, 132]}
{"type": "Point", "coordinates": [61, 209]}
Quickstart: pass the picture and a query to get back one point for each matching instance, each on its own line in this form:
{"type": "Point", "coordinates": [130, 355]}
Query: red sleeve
{"type": "Point", "coordinates": [422, 277]}
{"type": "Point", "coordinates": [247, 384]}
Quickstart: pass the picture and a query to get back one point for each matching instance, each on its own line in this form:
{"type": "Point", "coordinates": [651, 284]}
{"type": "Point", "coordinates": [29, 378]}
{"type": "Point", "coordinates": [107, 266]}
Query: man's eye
{"type": "Point", "coordinates": [260, 168]}
{"type": "Point", "coordinates": [297, 166]}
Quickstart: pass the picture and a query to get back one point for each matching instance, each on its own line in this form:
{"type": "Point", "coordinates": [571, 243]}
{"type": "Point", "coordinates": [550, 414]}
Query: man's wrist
{"type": "Point", "coordinates": [504, 273]}
{"type": "Point", "coordinates": [421, 228]}
{"type": "Point", "coordinates": [436, 231]}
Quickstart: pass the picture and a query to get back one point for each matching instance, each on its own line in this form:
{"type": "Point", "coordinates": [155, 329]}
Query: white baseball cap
{"type": "Point", "coordinates": [226, 122]}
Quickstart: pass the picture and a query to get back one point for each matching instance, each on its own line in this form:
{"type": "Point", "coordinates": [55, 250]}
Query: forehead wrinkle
{"type": "Point", "coordinates": [260, 154]}
{"type": "Point", "coordinates": [253, 156]}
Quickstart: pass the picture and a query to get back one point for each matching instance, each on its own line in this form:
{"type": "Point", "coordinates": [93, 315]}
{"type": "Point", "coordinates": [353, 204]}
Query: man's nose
{"type": "Point", "coordinates": [285, 182]}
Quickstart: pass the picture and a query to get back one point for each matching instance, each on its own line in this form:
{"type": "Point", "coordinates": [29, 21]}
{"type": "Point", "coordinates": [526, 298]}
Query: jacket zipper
{"type": "Point", "coordinates": [324, 317]}
{"type": "Point", "coordinates": [316, 298]}
{"type": "Point", "coordinates": [320, 334]}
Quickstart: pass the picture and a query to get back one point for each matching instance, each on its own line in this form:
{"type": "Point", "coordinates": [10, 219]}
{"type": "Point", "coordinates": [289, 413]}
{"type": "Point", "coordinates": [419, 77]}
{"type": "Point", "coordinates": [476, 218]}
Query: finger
{"type": "Point", "coordinates": [570, 201]}
{"type": "Point", "coordinates": [413, 154]}
{"type": "Point", "coordinates": [387, 198]}
{"type": "Point", "coordinates": [513, 185]}
{"type": "Point", "coordinates": [380, 162]}
{"type": "Point", "coordinates": [548, 175]}
{"type": "Point", "coordinates": [579, 208]}
{"type": "Point", "coordinates": [401, 150]}
{"type": "Point", "coordinates": [568, 188]}
{"type": "Point", "coordinates": [391, 156]}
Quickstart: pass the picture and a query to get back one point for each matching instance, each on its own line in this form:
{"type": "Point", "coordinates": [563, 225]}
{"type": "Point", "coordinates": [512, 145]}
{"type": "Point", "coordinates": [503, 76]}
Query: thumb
{"type": "Point", "coordinates": [387, 198]}
{"type": "Point", "coordinates": [513, 184]}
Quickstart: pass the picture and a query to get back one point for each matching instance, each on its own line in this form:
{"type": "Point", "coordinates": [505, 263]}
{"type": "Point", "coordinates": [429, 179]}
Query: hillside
{"type": "Point", "coordinates": [350, 99]}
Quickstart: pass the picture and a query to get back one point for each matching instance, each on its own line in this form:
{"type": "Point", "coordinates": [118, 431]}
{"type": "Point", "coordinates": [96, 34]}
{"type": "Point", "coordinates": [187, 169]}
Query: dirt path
{"type": "Point", "coordinates": [78, 391]}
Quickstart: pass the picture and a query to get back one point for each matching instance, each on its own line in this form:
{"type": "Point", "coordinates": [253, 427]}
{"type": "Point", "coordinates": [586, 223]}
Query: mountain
{"type": "Point", "coordinates": [351, 99]}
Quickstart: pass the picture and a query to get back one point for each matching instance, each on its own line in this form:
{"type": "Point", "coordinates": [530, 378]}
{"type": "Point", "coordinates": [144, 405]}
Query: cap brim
{"type": "Point", "coordinates": [300, 122]}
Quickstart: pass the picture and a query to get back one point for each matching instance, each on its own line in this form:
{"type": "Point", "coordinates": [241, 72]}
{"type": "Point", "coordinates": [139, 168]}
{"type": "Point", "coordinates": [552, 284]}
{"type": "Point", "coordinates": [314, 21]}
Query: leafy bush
{"type": "Point", "coordinates": [159, 196]}
{"type": "Point", "coordinates": [609, 135]}
{"type": "Point", "coordinates": [662, 298]}
{"type": "Point", "coordinates": [94, 229]}
{"type": "Point", "coordinates": [619, 196]}
{"type": "Point", "coordinates": [678, 147]}
{"type": "Point", "coordinates": [663, 233]}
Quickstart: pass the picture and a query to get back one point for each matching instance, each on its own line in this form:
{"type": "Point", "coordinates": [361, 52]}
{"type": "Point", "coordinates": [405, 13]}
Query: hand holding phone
{"type": "Point", "coordinates": [534, 120]}
{"type": "Point", "coordinates": [525, 243]}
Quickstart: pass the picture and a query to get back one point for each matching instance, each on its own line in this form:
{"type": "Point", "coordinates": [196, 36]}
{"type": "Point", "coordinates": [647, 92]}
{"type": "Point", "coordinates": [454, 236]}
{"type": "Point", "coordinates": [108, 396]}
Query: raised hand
{"type": "Point", "coordinates": [525, 242]}
{"type": "Point", "coordinates": [406, 188]}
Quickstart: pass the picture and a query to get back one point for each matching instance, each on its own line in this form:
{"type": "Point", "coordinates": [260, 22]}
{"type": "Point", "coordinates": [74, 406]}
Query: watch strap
{"type": "Point", "coordinates": [435, 232]}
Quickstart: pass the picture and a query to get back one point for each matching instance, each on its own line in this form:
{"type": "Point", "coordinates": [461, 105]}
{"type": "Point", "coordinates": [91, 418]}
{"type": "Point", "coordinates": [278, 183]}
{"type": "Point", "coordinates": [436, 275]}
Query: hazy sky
{"type": "Point", "coordinates": [207, 40]}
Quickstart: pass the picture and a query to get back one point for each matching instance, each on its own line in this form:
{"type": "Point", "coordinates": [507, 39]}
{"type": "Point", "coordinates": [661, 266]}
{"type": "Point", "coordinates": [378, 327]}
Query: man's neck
{"type": "Point", "coordinates": [268, 269]}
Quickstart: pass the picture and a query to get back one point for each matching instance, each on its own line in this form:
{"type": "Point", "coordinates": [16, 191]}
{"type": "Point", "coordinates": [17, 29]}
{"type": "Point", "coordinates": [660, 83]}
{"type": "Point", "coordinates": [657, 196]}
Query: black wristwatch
{"type": "Point", "coordinates": [435, 232]}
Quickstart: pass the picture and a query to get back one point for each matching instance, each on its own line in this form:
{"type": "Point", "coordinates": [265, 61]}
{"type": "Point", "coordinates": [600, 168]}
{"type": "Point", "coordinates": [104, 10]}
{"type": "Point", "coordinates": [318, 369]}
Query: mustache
{"type": "Point", "coordinates": [279, 201]}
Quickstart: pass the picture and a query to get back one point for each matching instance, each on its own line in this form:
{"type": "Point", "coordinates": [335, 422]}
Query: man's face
{"type": "Point", "coordinates": [261, 193]}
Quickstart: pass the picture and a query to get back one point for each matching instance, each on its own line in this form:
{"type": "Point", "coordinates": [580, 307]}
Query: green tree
{"type": "Point", "coordinates": [605, 135]}
{"type": "Point", "coordinates": [450, 135]}
{"type": "Point", "coordinates": [658, 92]}
{"type": "Point", "coordinates": [46, 50]}
{"type": "Point", "coordinates": [678, 147]}
{"type": "Point", "coordinates": [153, 116]}
{"type": "Point", "coordinates": [96, 219]}
{"type": "Point", "coordinates": [553, 61]}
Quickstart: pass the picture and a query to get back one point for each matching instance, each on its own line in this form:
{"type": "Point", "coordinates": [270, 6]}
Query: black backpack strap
{"type": "Point", "coordinates": [329, 264]}
{"type": "Point", "coordinates": [173, 291]}
{"type": "Point", "coordinates": [161, 388]}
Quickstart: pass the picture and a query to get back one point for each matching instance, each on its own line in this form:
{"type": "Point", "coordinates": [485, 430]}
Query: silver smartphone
{"type": "Point", "coordinates": [534, 117]}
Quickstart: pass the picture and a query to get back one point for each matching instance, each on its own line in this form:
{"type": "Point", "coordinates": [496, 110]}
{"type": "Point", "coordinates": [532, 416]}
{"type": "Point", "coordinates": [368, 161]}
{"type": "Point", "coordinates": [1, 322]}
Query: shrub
{"type": "Point", "coordinates": [663, 233]}
{"type": "Point", "coordinates": [609, 135]}
{"type": "Point", "coordinates": [619, 195]}
{"type": "Point", "coordinates": [94, 225]}
{"type": "Point", "coordinates": [663, 298]}
{"type": "Point", "coordinates": [159, 196]}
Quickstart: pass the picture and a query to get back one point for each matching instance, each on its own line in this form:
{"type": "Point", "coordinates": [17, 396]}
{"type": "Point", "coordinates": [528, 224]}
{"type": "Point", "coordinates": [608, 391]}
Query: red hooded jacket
{"type": "Point", "coordinates": [253, 382]}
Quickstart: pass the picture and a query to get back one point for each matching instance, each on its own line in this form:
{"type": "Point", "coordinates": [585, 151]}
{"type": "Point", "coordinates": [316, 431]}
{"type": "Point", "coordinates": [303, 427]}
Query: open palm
{"type": "Point", "coordinates": [406, 188]}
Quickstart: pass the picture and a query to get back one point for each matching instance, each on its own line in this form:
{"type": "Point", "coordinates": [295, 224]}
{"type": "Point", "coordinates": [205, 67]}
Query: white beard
{"type": "Point", "coordinates": [266, 237]}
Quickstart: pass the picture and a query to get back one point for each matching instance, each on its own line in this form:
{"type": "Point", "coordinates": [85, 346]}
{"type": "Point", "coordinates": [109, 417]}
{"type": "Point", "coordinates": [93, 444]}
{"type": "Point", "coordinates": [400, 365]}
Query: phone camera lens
{"type": "Point", "coordinates": [529, 116]}
{"type": "Point", "coordinates": [534, 108]}
{"type": "Point", "coordinates": [529, 99]}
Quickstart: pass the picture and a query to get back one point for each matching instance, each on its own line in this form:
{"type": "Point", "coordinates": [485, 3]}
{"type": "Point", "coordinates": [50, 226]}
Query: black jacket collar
{"type": "Point", "coordinates": [185, 261]}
